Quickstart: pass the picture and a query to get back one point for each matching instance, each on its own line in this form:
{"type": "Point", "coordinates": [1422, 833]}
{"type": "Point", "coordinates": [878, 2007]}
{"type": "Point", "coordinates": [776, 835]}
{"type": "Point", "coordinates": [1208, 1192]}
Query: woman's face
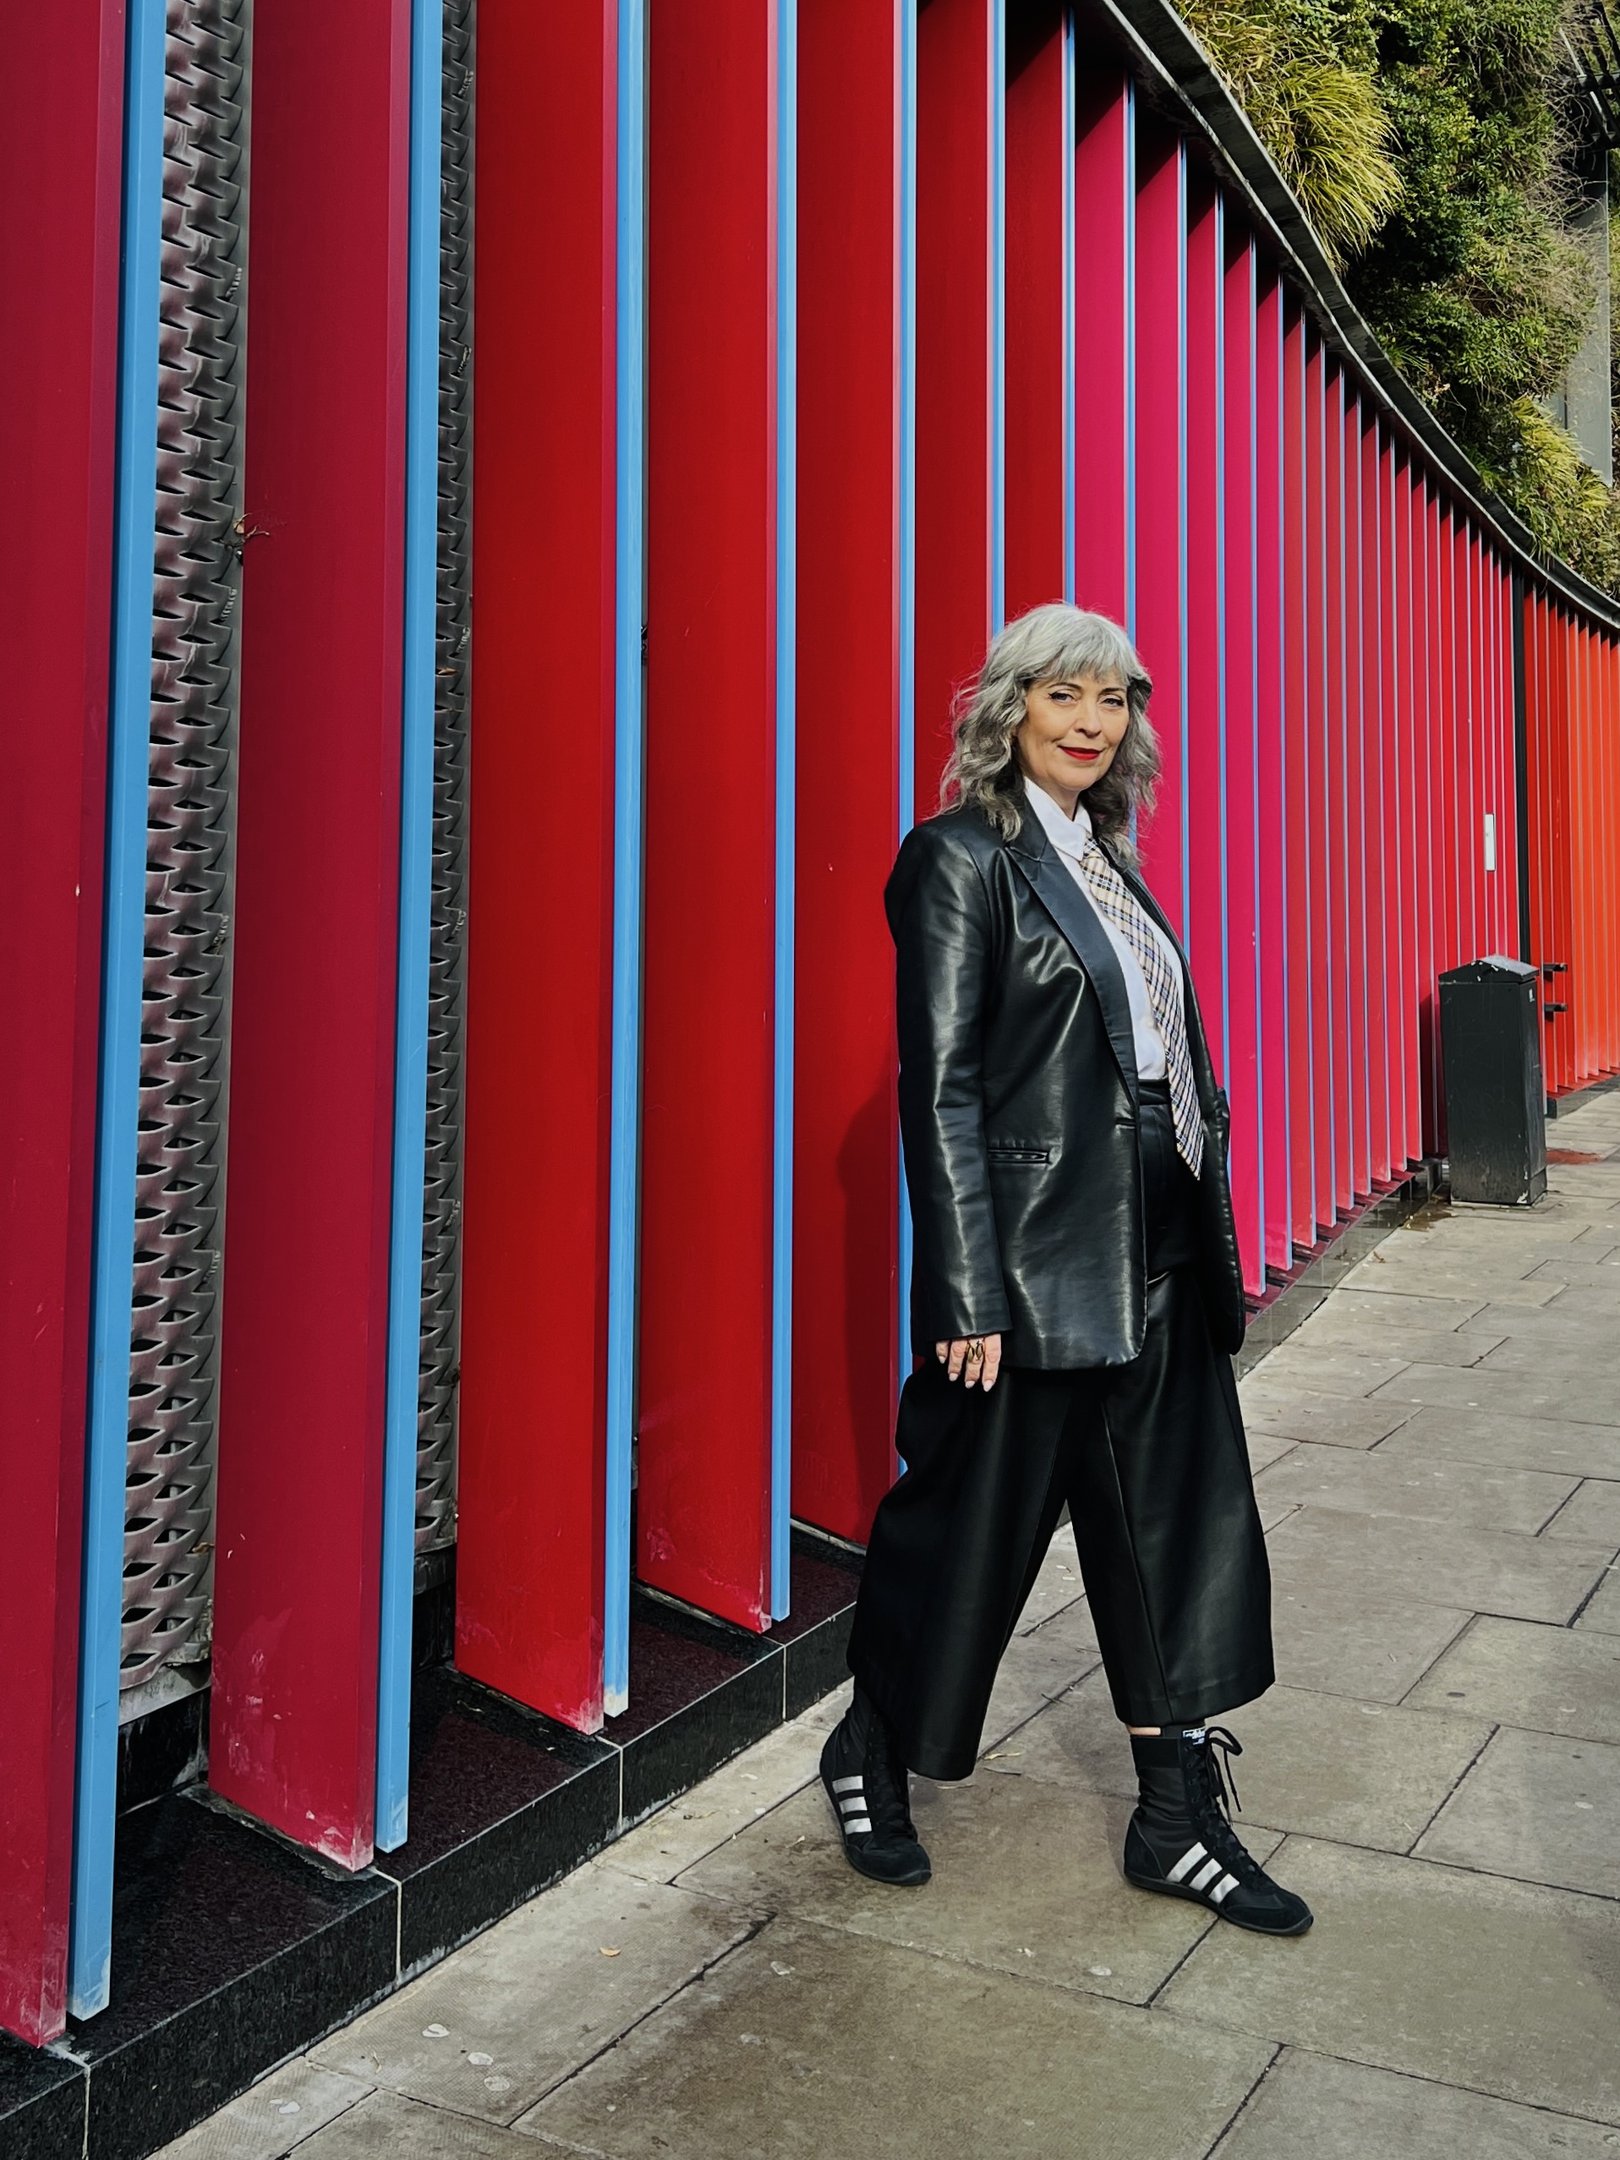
{"type": "Point", "coordinates": [1070, 733]}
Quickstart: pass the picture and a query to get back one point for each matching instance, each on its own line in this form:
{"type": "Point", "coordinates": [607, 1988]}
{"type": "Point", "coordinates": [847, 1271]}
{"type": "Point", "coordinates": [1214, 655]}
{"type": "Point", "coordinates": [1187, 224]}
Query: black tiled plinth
{"type": "Point", "coordinates": [700, 1692]}
{"type": "Point", "coordinates": [815, 1635]}
{"type": "Point", "coordinates": [230, 1951]}
{"type": "Point", "coordinates": [41, 2104]}
{"type": "Point", "coordinates": [503, 1802]}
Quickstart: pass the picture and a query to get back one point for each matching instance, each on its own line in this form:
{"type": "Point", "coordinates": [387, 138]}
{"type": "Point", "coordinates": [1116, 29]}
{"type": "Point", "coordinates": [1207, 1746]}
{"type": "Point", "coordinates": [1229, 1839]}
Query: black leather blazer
{"type": "Point", "coordinates": [1018, 1097]}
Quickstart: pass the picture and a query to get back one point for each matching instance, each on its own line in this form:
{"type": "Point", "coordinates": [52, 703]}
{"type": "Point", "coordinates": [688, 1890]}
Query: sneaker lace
{"type": "Point", "coordinates": [1214, 1791]}
{"type": "Point", "coordinates": [887, 1787]}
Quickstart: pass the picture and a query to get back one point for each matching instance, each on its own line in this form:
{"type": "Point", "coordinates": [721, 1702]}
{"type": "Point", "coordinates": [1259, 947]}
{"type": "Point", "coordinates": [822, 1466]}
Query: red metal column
{"type": "Point", "coordinates": [1341, 839]}
{"type": "Point", "coordinates": [1393, 742]}
{"type": "Point", "coordinates": [1160, 571]}
{"type": "Point", "coordinates": [1248, 1082]}
{"type": "Point", "coordinates": [1413, 806]}
{"type": "Point", "coordinates": [1356, 1056]}
{"type": "Point", "coordinates": [1442, 796]}
{"type": "Point", "coordinates": [306, 1270]}
{"type": "Point", "coordinates": [1298, 639]}
{"type": "Point", "coordinates": [547, 761]}
{"type": "Point", "coordinates": [1275, 897]}
{"type": "Point", "coordinates": [59, 178]}
{"type": "Point", "coordinates": [1206, 620]}
{"type": "Point", "coordinates": [955, 89]}
{"type": "Point", "coordinates": [704, 1491]}
{"type": "Point", "coordinates": [1104, 399]}
{"type": "Point", "coordinates": [1037, 150]}
{"type": "Point", "coordinates": [1466, 693]}
{"type": "Point", "coordinates": [846, 1162]}
{"type": "Point", "coordinates": [1377, 802]}
{"type": "Point", "coordinates": [1326, 953]}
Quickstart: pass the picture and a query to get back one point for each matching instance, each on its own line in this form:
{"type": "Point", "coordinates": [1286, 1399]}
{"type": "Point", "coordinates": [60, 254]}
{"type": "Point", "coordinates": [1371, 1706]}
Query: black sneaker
{"type": "Point", "coordinates": [866, 1783]}
{"type": "Point", "coordinates": [1181, 1842]}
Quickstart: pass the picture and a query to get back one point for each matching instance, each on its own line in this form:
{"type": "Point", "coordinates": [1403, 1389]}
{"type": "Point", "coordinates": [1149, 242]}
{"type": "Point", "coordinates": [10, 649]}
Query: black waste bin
{"type": "Point", "coordinates": [1490, 1037]}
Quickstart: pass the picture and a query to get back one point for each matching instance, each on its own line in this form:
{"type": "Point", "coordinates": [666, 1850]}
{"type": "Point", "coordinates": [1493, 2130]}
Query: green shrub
{"type": "Point", "coordinates": [1428, 142]}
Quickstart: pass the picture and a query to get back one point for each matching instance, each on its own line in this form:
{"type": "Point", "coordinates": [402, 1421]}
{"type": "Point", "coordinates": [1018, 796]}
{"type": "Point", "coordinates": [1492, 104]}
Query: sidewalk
{"type": "Point", "coordinates": [1437, 1771]}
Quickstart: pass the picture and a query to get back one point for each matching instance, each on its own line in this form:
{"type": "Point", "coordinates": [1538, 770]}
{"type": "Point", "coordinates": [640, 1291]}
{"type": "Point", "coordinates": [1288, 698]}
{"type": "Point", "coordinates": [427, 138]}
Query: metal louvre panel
{"type": "Point", "coordinates": [441, 1243]}
{"type": "Point", "coordinates": [185, 983]}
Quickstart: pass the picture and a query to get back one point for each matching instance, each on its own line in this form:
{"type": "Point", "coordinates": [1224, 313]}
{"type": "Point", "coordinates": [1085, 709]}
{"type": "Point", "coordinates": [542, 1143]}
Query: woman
{"type": "Point", "coordinates": [1076, 1290]}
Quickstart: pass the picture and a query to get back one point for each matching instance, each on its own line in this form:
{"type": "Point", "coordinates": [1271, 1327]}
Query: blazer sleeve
{"type": "Point", "coordinates": [939, 915]}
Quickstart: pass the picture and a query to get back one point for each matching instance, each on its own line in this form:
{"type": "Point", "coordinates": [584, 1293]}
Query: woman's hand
{"type": "Point", "coordinates": [979, 1356]}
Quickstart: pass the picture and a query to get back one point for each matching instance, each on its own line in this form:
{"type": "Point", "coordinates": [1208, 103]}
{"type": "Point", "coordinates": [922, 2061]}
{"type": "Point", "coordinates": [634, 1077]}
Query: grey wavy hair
{"type": "Point", "coordinates": [1048, 643]}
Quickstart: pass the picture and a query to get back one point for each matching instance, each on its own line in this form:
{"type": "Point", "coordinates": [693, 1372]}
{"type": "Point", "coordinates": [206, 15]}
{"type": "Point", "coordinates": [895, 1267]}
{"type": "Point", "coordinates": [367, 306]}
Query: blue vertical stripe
{"type": "Point", "coordinates": [1181, 525]}
{"type": "Point", "coordinates": [1220, 606]}
{"type": "Point", "coordinates": [786, 675]}
{"type": "Point", "coordinates": [1069, 275]}
{"type": "Point", "coordinates": [624, 1175]}
{"type": "Point", "coordinates": [1252, 481]}
{"type": "Point", "coordinates": [1128, 183]}
{"type": "Point", "coordinates": [906, 568]}
{"type": "Point", "coordinates": [998, 313]}
{"type": "Point", "coordinates": [415, 919]}
{"type": "Point", "coordinates": [1281, 837]}
{"type": "Point", "coordinates": [117, 1109]}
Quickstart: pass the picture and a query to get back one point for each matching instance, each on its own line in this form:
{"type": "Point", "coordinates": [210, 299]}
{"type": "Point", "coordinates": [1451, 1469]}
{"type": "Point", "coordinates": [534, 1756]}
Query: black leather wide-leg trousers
{"type": "Point", "coordinates": [1150, 1458]}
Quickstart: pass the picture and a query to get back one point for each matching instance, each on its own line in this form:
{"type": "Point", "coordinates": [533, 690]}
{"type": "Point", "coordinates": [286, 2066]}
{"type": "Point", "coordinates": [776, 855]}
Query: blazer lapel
{"type": "Point", "coordinates": [1202, 1065]}
{"type": "Point", "coordinates": [1054, 886]}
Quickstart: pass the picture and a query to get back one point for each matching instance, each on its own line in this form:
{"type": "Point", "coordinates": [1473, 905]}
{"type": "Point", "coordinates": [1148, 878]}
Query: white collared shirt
{"type": "Point", "coordinates": [1070, 837]}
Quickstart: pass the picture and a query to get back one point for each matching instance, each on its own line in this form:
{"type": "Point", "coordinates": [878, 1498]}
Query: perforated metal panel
{"type": "Point", "coordinates": [441, 1245]}
{"type": "Point", "coordinates": [179, 1191]}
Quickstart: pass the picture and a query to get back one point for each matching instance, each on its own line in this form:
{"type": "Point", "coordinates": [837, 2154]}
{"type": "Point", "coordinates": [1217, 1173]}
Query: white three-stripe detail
{"type": "Point", "coordinates": [1223, 1889]}
{"type": "Point", "coordinates": [852, 1804]}
{"type": "Point", "coordinates": [854, 1823]}
{"type": "Point", "coordinates": [1206, 1875]}
{"type": "Point", "coordinates": [1188, 1861]}
{"type": "Point", "coordinates": [848, 1784]}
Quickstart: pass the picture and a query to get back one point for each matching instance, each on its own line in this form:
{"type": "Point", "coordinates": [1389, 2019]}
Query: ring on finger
{"type": "Point", "coordinates": [975, 1351]}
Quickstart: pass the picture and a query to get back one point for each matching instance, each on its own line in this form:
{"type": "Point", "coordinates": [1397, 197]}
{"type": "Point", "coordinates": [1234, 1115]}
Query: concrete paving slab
{"type": "Point", "coordinates": [1439, 1490]}
{"type": "Point", "coordinates": [1301, 1413]}
{"type": "Point", "coordinates": [1588, 1259]}
{"type": "Point", "coordinates": [1537, 1808]}
{"type": "Point", "coordinates": [270, 2118]}
{"type": "Point", "coordinates": [1548, 1391]}
{"type": "Point", "coordinates": [1332, 1637]}
{"type": "Point", "coordinates": [386, 2127]}
{"type": "Point", "coordinates": [1026, 1882]}
{"type": "Point", "coordinates": [1584, 1353]}
{"type": "Point", "coordinates": [1328, 1368]}
{"type": "Point", "coordinates": [1503, 1987]}
{"type": "Point", "coordinates": [810, 2043]}
{"type": "Point", "coordinates": [1522, 1578]}
{"type": "Point", "coordinates": [1362, 1773]}
{"type": "Point", "coordinates": [1546, 1679]}
{"type": "Point", "coordinates": [1073, 1632]}
{"type": "Point", "coordinates": [1360, 1325]}
{"type": "Point", "coordinates": [1562, 1333]}
{"type": "Point", "coordinates": [1411, 1306]}
{"type": "Point", "coordinates": [1267, 1447]}
{"type": "Point", "coordinates": [1037, 1668]}
{"type": "Point", "coordinates": [1466, 1279]}
{"type": "Point", "coordinates": [749, 1786]}
{"type": "Point", "coordinates": [526, 2003]}
{"type": "Point", "coordinates": [1591, 1514]}
{"type": "Point", "coordinates": [1343, 2111]}
{"type": "Point", "coordinates": [1602, 1615]}
{"type": "Point", "coordinates": [1057, 1583]}
{"type": "Point", "coordinates": [1591, 1300]}
{"type": "Point", "coordinates": [1511, 1440]}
